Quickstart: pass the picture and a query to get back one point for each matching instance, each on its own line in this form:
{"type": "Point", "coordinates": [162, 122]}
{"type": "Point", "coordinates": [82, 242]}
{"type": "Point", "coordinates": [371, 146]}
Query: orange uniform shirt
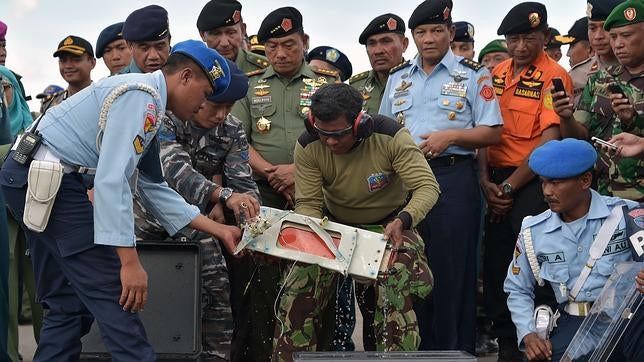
{"type": "Point", "coordinates": [526, 108]}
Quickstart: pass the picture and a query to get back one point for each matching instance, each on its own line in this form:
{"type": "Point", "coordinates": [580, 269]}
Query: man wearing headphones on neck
{"type": "Point", "coordinates": [367, 172]}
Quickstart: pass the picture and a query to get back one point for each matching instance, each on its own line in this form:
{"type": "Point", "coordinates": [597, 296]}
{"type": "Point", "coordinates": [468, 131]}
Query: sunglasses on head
{"type": "Point", "coordinates": [333, 134]}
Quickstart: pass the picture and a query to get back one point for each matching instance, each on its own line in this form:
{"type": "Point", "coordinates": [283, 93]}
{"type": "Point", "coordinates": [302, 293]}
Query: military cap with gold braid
{"type": "Point", "coordinates": [524, 18]}
{"type": "Point", "coordinates": [578, 32]}
{"type": "Point", "coordinates": [218, 13]}
{"type": "Point", "coordinates": [385, 23]}
{"type": "Point", "coordinates": [626, 13]}
{"type": "Point", "coordinates": [75, 45]}
{"type": "Point", "coordinates": [280, 23]}
{"type": "Point", "coordinates": [255, 46]}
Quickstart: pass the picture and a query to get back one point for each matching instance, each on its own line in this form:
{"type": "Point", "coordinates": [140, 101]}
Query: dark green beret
{"type": "Point", "coordinates": [464, 32]}
{"type": "Point", "coordinates": [279, 23]}
{"type": "Point", "coordinates": [600, 9]}
{"type": "Point", "coordinates": [384, 23]}
{"type": "Point", "coordinates": [494, 46]}
{"type": "Point", "coordinates": [626, 13]}
{"type": "Point", "coordinates": [524, 18]}
{"type": "Point", "coordinates": [218, 13]}
{"type": "Point", "coordinates": [149, 23]}
{"type": "Point", "coordinates": [431, 12]}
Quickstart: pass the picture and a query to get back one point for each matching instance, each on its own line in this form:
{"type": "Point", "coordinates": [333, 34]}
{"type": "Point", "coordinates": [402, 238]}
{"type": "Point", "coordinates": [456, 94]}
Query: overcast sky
{"type": "Point", "coordinates": [37, 26]}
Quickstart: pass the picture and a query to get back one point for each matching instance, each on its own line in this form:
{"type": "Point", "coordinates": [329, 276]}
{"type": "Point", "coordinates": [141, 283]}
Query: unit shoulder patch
{"type": "Point", "coordinates": [400, 66]}
{"type": "Point", "coordinates": [359, 76]}
{"type": "Point", "coordinates": [476, 66]}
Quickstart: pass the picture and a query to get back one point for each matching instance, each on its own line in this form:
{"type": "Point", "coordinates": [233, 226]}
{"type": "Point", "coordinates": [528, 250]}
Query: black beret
{"type": "Point", "coordinates": [431, 12]}
{"type": "Point", "coordinates": [464, 32]}
{"type": "Point", "coordinates": [75, 45]}
{"type": "Point", "coordinates": [334, 57]}
{"type": "Point", "coordinates": [237, 88]}
{"type": "Point", "coordinates": [147, 24]}
{"type": "Point", "coordinates": [384, 23]}
{"type": "Point", "coordinates": [279, 23]}
{"type": "Point", "coordinates": [555, 39]}
{"type": "Point", "coordinates": [600, 9]}
{"type": "Point", "coordinates": [218, 13]}
{"type": "Point", "coordinates": [579, 31]}
{"type": "Point", "coordinates": [524, 18]}
{"type": "Point", "coordinates": [108, 35]}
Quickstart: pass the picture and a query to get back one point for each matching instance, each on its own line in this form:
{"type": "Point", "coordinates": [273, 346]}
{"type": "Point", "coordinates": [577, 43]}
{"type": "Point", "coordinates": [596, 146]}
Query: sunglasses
{"type": "Point", "coordinates": [334, 134]}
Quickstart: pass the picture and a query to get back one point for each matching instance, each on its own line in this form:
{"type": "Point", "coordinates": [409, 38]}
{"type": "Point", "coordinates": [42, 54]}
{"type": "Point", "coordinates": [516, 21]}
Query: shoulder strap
{"type": "Point", "coordinates": [531, 255]}
{"type": "Point", "coordinates": [597, 248]}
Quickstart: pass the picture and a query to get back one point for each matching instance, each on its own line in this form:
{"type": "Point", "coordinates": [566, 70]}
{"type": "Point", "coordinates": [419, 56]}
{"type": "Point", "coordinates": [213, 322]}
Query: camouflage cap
{"type": "Point", "coordinates": [626, 13]}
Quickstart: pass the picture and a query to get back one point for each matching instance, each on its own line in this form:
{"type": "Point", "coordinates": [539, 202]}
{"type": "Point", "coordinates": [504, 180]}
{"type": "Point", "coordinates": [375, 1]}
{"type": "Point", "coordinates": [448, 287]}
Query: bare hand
{"type": "Point", "coordinates": [628, 144]}
{"type": "Point", "coordinates": [640, 281]}
{"type": "Point", "coordinates": [134, 287]}
{"type": "Point", "coordinates": [393, 232]}
{"type": "Point", "coordinates": [435, 143]}
{"type": "Point", "coordinates": [289, 195]}
{"type": "Point", "coordinates": [498, 205]}
{"type": "Point", "coordinates": [536, 349]}
{"type": "Point", "coordinates": [622, 107]}
{"type": "Point", "coordinates": [562, 104]}
{"type": "Point", "coordinates": [229, 237]}
{"type": "Point", "coordinates": [243, 203]}
{"type": "Point", "coordinates": [281, 176]}
{"type": "Point", "coordinates": [217, 214]}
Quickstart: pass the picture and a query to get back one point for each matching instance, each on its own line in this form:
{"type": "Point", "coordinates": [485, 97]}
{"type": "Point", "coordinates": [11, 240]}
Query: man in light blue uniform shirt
{"type": "Point", "coordinates": [560, 239]}
{"type": "Point", "coordinates": [85, 262]}
{"type": "Point", "coordinates": [448, 104]}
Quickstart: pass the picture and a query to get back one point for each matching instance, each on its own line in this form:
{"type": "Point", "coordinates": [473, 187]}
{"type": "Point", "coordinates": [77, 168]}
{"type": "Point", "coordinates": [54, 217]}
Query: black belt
{"type": "Point", "coordinates": [446, 161]}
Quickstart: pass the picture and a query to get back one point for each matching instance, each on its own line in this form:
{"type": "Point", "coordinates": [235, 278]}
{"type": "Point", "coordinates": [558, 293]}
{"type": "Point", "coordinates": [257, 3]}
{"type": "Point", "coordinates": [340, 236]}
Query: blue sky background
{"type": "Point", "coordinates": [37, 26]}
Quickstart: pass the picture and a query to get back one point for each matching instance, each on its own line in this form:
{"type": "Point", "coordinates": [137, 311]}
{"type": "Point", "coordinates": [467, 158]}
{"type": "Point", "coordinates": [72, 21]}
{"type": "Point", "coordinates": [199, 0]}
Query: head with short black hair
{"type": "Point", "coordinates": [333, 101]}
{"type": "Point", "coordinates": [178, 61]}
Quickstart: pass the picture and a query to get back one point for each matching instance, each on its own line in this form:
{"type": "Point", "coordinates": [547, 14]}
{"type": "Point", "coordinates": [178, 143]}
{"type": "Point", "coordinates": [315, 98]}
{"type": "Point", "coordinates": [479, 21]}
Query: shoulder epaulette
{"type": "Point", "coordinates": [529, 221]}
{"type": "Point", "coordinates": [359, 76]}
{"type": "Point", "coordinates": [257, 60]}
{"type": "Point", "coordinates": [331, 73]}
{"type": "Point", "coordinates": [400, 66]}
{"type": "Point", "coordinates": [615, 70]}
{"type": "Point", "coordinates": [256, 72]}
{"type": "Point", "coordinates": [476, 66]}
{"type": "Point", "coordinates": [581, 63]}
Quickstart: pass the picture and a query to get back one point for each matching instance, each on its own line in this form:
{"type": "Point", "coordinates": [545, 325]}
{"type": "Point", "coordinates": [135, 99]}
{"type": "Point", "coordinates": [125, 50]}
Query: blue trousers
{"type": "Point", "coordinates": [4, 271]}
{"type": "Point", "coordinates": [447, 319]}
{"type": "Point", "coordinates": [76, 280]}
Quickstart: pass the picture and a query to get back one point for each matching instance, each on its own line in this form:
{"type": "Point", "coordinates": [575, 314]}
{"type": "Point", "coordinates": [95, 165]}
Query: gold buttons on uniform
{"type": "Point", "coordinates": [446, 102]}
{"type": "Point", "coordinates": [460, 105]}
{"type": "Point", "coordinates": [451, 116]}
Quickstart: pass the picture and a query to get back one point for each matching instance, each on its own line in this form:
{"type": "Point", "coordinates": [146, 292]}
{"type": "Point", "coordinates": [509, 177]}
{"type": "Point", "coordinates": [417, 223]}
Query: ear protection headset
{"type": "Point", "coordinates": [362, 125]}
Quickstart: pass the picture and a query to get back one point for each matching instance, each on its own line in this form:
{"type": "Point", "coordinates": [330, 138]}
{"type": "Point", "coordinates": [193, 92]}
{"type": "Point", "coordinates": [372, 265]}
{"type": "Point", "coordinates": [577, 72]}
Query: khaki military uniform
{"type": "Point", "coordinates": [249, 62]}
{"type": "Point", "coordinates": [371, 88]}
{"type": "Point", "coordinates": [582, 71]}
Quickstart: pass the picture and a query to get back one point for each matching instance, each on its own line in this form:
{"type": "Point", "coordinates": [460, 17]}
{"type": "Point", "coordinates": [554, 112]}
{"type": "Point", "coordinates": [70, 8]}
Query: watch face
{"type": "Point", "coordinates": [507, 188]}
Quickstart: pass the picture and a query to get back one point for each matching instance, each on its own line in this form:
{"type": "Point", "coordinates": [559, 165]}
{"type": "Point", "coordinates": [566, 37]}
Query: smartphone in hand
{"type": "Point", "coordinates": [559, 86]}
{"type": "Point", "coordinates": [601, 142]}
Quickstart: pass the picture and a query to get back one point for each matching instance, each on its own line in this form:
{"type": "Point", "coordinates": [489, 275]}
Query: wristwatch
{"type": "Point", "coordinates": [507, 189]}
{"type": "Point", "coordinates": [224, 194]}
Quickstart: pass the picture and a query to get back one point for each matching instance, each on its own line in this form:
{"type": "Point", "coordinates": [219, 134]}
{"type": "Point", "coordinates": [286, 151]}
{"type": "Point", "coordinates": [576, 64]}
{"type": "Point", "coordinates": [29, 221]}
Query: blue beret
{"type": "Point", "coordinates": [334, 57]}
{"type": "Point", "coordinates": [236, 90]}
{"type": "Point", "coordinates": [524, 18]}
{"type": "Point", "coordinates": [464, 32]}
{"type": "Point", "coordinates": [212, 63]}
{"type": "Point", "coordinates": [562, 159]}
{"type": "Point", "coordinates": [147, 24]}
{"type": "Point", "coordinates": [108, 35]}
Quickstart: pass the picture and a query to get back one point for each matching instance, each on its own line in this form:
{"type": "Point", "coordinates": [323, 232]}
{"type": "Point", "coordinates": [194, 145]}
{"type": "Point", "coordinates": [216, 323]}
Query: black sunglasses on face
{"type": "Point", "coordinates": [333, 134]}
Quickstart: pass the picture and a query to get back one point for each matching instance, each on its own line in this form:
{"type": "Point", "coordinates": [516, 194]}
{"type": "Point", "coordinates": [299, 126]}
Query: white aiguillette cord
{"type": "Point", "coordinates": [597, 248]}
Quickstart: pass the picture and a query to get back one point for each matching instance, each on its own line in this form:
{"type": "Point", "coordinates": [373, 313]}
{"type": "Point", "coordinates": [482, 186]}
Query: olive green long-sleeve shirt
{"type": "Point", "coordinates": [367, 183]}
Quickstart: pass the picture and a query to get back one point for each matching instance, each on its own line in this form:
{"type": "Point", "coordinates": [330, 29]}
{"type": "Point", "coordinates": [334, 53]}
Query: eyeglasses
{"type": "Point", "coordinates": [333, 134]}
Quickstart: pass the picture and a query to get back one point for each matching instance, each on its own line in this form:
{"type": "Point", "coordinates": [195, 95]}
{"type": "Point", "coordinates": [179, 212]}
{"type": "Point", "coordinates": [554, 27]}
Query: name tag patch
{"type": "Point", "coordinates": [454, 89]}
{"type": "Point", "coordinates": [553, 258]}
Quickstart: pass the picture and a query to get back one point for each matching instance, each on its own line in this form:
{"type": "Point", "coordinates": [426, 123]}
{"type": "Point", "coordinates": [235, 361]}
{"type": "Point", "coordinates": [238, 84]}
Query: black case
{"type": "Point", "coordinates": [172, 316]}
{"type": "Point", "coordinates": [443, 356]}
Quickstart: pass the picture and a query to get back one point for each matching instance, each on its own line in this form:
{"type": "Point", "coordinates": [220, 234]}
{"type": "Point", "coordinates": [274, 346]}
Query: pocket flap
{"type": "Point", "coordinates": [556, 273]}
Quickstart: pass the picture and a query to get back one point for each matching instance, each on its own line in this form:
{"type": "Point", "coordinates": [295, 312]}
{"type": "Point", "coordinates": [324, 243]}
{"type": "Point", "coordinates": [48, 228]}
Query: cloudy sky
{"type": "Point", "coordinates": [37, 26]}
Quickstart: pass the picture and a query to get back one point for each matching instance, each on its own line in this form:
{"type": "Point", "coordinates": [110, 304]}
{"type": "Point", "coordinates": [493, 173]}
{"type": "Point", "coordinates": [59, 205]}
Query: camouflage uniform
{"type": "Point", "coordinates": [221, 150]}
{"type": "Point", "coordinates": [623, 177]}
{"type": "Point", "coordinates": [306, 294]}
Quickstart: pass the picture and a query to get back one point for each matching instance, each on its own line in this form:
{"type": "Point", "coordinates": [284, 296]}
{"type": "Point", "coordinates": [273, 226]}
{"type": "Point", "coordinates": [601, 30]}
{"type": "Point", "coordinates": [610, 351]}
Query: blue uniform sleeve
{"type": "Point", "coordinates": [519, 284]}
{"type": "Point", "coordinates": [167, 206]}
{"type": "Point", "coordinates": [385, 103]}
{"type": "Point", "coordinates": [485, 105]}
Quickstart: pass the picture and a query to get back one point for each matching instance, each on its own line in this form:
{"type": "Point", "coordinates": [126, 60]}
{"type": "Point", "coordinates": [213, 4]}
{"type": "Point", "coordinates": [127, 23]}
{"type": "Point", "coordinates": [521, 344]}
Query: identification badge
{"type": "Point", "coordinates": [454, 89]}
{"type": "Point", "coordinates": [263, 125]}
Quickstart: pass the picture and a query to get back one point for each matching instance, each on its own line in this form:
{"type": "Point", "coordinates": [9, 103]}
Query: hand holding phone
{"type": "Point", "coordinates": [616, 89]}
{"type": "Point", "coordinates": [559, 86]}
{"type": "Point", "coordinates": [601, 142]}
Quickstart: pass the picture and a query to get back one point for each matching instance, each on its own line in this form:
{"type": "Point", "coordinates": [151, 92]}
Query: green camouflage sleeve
{"type": "Point", "coordinates": [237, 171]}
{"type": "Point", "coordinates": [179, 173]}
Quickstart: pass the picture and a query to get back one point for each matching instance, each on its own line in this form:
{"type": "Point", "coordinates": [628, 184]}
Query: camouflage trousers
{"type": "Point", "coordinates": [308, 291]}
{"type": "Point", "coordinates": [216, 317]}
